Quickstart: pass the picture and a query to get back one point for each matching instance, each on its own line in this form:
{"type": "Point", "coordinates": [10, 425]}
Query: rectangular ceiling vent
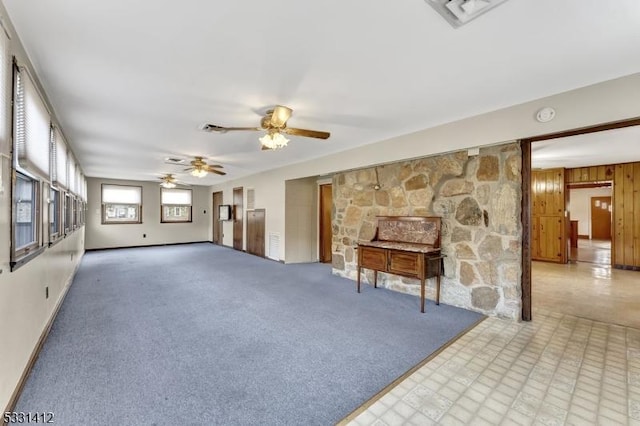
{"type": "Point", "coordinates": [459, 12]}
{"type": "Point", "coordinates": [173, 160]}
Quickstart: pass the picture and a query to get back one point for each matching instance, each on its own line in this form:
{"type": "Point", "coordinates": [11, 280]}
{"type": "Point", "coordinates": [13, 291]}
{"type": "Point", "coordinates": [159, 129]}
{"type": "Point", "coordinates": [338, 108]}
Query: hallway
{"type": "Point", "coordinates": [587, 290]}
{"type": "Point", "coordinates": [592, 251]}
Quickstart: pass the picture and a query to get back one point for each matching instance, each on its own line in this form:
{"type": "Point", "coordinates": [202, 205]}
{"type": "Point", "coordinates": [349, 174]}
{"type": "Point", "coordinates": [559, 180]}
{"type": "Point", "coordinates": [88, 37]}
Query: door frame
{"type": "Point", "coordinates": [322, 224]}
{"type": "Point", "coordinates": [525, 145]}
{"type": "Point", "coordinates": [238, 218]}
{"type": "Point", "coordinates": [217, 224]}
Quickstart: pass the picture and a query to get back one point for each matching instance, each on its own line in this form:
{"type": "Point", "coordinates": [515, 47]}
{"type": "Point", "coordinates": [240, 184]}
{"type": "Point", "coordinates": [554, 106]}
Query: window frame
{"type": "Point", "coordinates": [21, 255]}
{"type": "Point", "coordinates": [106, 221]}
{"type": "Point", "coordinates": [67, 213]}
{"type": "Point", "coordinates": [55, 210]}
{"type": "Point", "coordinates": [163, 217]}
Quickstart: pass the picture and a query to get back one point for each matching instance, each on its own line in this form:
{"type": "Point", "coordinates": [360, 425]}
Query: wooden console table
{"type": "Point", "coordinates": [404, 245]}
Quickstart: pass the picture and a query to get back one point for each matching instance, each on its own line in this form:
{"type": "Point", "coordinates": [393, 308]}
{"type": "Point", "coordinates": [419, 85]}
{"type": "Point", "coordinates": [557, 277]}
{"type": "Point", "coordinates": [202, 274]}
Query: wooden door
{"type": "Point", "coordinates": [326, 232]}
{"type": "Point", "coordinates": [238, 213]}
{"type": "Point", "coordinates": [217, 224]}
{"type": "Point", "coordinates": [255, 232]}
{"type": "Point", "coordinates": [601, 218]}
{"type": "Point", "coordinates": [549, 224]}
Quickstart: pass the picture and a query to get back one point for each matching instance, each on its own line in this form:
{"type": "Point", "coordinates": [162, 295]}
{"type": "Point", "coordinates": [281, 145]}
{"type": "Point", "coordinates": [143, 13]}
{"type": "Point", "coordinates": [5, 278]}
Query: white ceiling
{"type": "Point", "coordinates": [131, 81]}
{"type": "Point", "coordinates": [608, 147]}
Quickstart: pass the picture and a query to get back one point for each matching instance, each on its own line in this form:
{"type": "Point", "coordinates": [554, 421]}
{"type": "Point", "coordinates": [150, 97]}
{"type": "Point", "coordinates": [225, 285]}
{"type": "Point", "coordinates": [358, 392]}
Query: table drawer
{"type": "Point", "coordinates": [404, 263]}
{"type": "Point", "coordinates": [373, 258]}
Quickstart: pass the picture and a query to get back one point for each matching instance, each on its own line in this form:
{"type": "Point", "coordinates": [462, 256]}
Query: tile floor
{"type": "Point", "coordinates": [559, 369]}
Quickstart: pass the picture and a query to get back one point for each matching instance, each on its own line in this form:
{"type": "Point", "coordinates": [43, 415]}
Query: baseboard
{"type": "Point", "coordinates": [148, 245]}
{"type": "Point", "coordinates": [36, 351]}
{"type": "Point", "coordinates": [627, 267]}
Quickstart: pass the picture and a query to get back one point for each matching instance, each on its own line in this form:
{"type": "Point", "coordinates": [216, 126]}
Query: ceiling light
{"type": "Point", "coordinates": [168, 185]}
{"type": "Point", "coordinates": [274, 140]}
{"type": "Point", "coordinates": [198, 172]}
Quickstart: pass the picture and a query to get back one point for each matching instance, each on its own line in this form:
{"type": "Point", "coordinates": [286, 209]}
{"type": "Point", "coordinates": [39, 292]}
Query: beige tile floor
{"type": "Point", "coordinates": [569, 366]}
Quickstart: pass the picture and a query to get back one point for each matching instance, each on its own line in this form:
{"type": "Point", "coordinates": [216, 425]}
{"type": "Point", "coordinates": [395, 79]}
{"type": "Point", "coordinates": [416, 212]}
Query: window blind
{"type": "Point", "coordinates": [82, 190]}
{"type": "Point", "coordinates": [176, 196]}
{"type": "Point", "coordinates": [121, 194]}
{"type": "Point", "coordinates": [72, 173]}
{"type": "Point", "coordinates": [59, 164]}
{"type": "Point", "coordinates": [5, 91]}
{"type": "Point", "coordinates": [32, 127]}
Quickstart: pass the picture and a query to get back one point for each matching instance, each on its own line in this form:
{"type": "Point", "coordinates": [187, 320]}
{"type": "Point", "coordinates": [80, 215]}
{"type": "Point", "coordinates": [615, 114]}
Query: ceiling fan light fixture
{"type": "Point", "coordinates": [168, 185]}
{"type": "Point", "coordinates": [198, 172]}
{"type": "Point", "coordinates": [273, 140]}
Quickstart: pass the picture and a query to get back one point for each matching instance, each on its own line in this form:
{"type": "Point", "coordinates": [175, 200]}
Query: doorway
{"type": "Point", "coordinates": [217, 223]}
{"type": "Point", "coordinates": [591, 290]}
{"type": "Point", "coordinates": [238, 223]}
{"type": "Point", "coordinates": [255, 232]}
{"type": "Point", "coordinates": [326, 232]}
{"type": "Point", "coordinates": [591, 213]}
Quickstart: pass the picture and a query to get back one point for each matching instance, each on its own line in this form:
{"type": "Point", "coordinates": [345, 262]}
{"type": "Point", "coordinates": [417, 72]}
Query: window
{"type": "Point", "coordinates": [54, 215]}
{"type": "Point", "coordinates": [68, 213]}
{"type": "Point", "coordinates": [59, 164]}
{"type": "Point", "coordinates": [77, 207]}
{"type": "Point", "coordinates": [121, 204]}
{"type": "Point", "coordinates": [26, 214]}
{"type": "Point", "coordinates": [176, 205]}
{"type": "Point", "coordinates": [32, 139]}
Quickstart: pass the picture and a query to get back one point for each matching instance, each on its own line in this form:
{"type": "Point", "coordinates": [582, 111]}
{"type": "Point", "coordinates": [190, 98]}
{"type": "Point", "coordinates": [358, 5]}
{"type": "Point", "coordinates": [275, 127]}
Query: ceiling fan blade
{"type": "Point", "coordinates": [264, 148]}
{"type": "Point", "coordinates": [218, 172]}
{"type": "Point", "coordinates": [221, 129]}
{"type": "Point", "coordinates": [280, 115]}
{"type": "Point", "coordinates": [307, 133]}
{"type": "Point", "coordinates": [188, 169]}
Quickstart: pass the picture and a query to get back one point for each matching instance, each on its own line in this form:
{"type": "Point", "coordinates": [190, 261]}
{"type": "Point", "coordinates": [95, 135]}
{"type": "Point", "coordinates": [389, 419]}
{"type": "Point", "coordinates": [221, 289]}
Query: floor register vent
{"type": "Point", "coordinates": [274, 246]}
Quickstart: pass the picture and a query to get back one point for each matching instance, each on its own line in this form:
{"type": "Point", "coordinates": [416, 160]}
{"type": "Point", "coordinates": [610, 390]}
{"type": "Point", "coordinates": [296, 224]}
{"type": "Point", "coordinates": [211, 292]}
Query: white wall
{"type": "Point", "coordinates": [129, 235]}
{"type": "Point", "coordinates": [580, 206]}
{"type": "Point", "coordinates": [24, 309]}
{"type": "Point", "coordinates": [604, 102]}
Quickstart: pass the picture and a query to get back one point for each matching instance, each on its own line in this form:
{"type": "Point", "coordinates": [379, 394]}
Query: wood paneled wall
{"type": "Point", "coordinates": [626, 216]}
{"type": "Point", "coordinates": [590, 174]}
{"type": "Point", "coordinates": [626, 207]}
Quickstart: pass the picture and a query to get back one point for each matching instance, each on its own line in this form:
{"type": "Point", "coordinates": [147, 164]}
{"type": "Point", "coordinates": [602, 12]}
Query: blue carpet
{"type": "Point", "coordinates": [201, 334]}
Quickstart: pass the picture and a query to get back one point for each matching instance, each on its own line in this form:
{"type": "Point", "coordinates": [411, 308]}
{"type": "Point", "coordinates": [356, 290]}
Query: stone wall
{"type": "Point", "coordinates": [478, 199]}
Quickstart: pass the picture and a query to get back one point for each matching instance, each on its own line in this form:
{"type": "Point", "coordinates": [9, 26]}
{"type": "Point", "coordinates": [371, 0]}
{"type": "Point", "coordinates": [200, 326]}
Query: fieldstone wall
{"type": "Point", "coordinates": [478, 199]}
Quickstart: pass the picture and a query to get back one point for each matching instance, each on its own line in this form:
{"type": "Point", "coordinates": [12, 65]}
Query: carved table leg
{"type": "Point", "coordinates": [359, 270]}
{"type": "Point", "coordinates": [438, 281]}
{"type": "Point", "coordinates": [422, 295]}
{"type": "Point", "coordinates": [375, 278]}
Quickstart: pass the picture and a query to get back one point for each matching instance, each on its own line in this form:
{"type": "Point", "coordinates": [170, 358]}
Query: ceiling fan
{"type": "Point", "coordinates": [199, 168]}
{"type": "Point", "coordinates": [275, 123]}
{"type": "Point", "coordinates": [170, 181]}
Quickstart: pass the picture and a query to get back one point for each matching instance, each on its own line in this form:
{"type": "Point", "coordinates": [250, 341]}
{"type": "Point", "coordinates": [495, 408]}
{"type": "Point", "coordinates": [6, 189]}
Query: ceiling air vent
{"type": "Point", "coordinates": [173, 160]}
{"type": "Point", "coordinates": [459, 12]}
